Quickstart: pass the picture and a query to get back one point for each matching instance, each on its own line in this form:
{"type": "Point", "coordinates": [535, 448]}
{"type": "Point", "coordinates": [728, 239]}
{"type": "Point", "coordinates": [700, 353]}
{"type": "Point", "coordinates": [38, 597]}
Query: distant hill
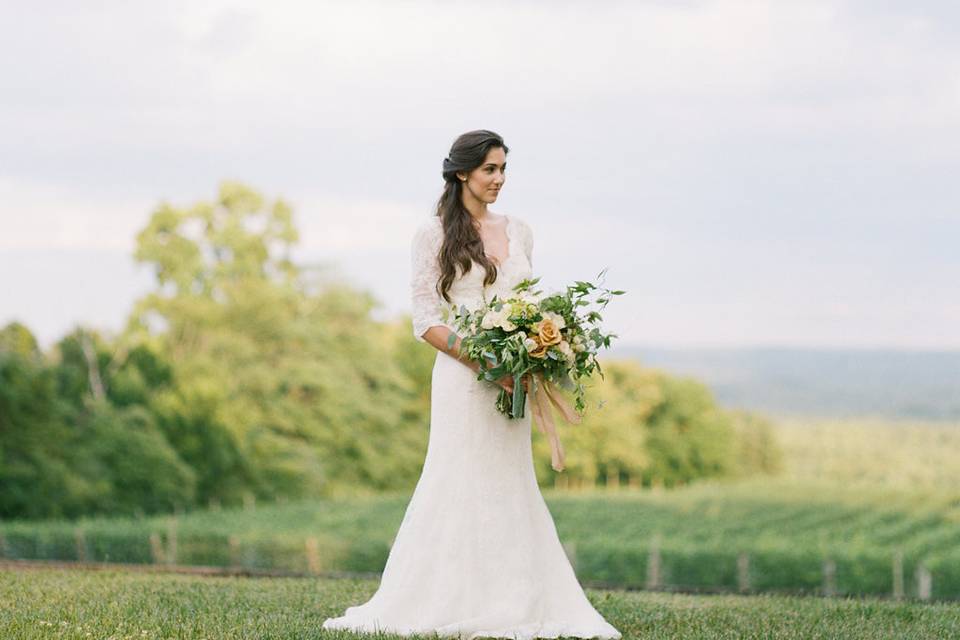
{"type": "Point", "coordinates": [819, 382]}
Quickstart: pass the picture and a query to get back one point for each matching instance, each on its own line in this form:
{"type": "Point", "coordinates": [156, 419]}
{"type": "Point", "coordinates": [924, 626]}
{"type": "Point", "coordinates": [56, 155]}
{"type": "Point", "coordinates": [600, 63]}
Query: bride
{"type": "Point", "coordinates": [477, 552]}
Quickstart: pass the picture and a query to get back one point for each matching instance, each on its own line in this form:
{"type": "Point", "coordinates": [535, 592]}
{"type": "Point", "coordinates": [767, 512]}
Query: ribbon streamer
{"type": "Point", "coordinates": [544, 416]}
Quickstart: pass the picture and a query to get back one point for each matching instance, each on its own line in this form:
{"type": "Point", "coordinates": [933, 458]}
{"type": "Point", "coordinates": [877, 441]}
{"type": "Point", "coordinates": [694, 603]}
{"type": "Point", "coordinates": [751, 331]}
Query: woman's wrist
{"type": "Point", "coordinates": [472, 364]}
{"type": "Point", "coordinates": [454, 352]}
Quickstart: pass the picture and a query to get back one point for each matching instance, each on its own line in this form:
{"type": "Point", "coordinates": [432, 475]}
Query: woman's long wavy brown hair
{"type": "Point", "coordinates": [461, 239]}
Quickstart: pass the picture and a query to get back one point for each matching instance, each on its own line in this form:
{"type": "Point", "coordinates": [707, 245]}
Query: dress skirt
{"type": "Point", "coordinates": [477, 552]}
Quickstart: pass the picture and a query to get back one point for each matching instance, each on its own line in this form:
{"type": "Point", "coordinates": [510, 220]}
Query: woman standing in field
{"type": "Point", "coordinates": [477, 553]}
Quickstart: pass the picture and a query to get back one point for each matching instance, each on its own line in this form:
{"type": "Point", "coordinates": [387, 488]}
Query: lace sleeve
{"type": "Point", "coordinates": [527, 241]}
{"type": "Point", "coordinates": [426, 302]}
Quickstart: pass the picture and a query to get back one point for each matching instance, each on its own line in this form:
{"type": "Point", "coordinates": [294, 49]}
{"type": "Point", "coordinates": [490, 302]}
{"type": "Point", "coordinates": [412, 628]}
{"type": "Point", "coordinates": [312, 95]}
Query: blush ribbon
{"type": "Point", "coordinates": [542, 395]}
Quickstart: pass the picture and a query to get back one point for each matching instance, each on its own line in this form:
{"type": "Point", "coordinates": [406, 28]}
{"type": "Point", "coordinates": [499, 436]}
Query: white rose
{"type": "Point", "coordinates": [530, 344]}
{"type": "Point", "coordinates": [500, 318]}
{"type": "Point", "coordinates": [557, 319]}
{"type": "Point", "coordinates": [566, 350]}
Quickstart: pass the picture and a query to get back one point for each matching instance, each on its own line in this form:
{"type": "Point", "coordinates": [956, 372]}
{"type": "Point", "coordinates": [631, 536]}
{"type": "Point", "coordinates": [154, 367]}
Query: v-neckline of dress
{"type": "Point", "coordinates": [506, 231]}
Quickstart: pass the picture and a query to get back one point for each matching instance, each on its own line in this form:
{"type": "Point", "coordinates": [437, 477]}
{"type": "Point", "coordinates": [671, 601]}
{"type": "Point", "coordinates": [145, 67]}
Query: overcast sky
{"type": "Point", "coordinates": [752, 173]}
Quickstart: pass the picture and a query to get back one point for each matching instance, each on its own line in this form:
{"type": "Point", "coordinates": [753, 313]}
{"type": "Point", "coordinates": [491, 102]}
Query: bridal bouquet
{"type": "Point", "coordinates": [552, 338]}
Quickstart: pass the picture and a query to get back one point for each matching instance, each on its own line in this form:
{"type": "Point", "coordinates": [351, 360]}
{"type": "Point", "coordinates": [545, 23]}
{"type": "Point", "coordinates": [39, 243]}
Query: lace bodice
{"type": "Point", "coordinates": [467, 289]}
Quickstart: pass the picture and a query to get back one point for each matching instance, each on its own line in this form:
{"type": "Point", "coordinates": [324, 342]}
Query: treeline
{"type": "Point", "coordinates": [244, 375]}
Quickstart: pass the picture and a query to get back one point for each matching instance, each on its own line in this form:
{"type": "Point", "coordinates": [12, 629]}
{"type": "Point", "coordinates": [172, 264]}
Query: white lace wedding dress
{"type": "Point", "coordinates": [477, 553]}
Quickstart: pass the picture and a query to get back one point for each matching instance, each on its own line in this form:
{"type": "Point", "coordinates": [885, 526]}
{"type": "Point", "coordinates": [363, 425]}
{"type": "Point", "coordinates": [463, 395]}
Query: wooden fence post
{"type": "Point", "coordinates": [924, 582]}
{"type": "Point", "coordinates": [829, 577]}
{"type": "Point", "coordinates": [743, 572]}
{"type": "Point", "coordinates": [653, 563]}
{"type": "Point", "coordinates": [81, 544]}
{"type": "Point", "coordinates": [898, 575]}
{"type": "Point", "coordinates": [172, 540]}
{"type": "Point", "coordinates": [156, 548]}
{"type": "Point", "coordinates": [233, 542]}
{"type": "Point", "coordinates": [313, 555]}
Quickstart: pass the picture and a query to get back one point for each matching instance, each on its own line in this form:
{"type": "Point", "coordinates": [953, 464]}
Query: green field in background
{"type": "Point", "coordinates": [787, 530]}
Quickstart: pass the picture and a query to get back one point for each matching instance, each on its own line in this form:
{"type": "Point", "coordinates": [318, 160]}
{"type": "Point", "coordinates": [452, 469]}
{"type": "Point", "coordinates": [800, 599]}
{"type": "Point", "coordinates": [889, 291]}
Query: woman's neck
{"type": "Point", "coordinates": [478, 209]}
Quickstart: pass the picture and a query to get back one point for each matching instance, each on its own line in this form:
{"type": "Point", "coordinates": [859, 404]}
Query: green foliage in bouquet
{"type": "Point", "coordinates": [556, 336]}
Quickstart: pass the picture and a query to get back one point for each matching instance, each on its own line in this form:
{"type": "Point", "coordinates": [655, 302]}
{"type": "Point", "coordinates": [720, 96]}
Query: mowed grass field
{"type": "Point", "coordinates": [139, 605]}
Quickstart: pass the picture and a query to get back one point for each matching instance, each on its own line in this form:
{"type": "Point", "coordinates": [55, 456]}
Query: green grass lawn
{"type": "Point", "coordinates": [121, 604]}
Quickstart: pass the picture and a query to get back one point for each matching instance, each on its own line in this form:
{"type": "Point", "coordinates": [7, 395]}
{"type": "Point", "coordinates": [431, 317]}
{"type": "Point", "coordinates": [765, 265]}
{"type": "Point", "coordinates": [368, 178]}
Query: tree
{"type": "Point", "coordinates": [274, 364]}
{"type": "Point", "coordinates": [645, 425]}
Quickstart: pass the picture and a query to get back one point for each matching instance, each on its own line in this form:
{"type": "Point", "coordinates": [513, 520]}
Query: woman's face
{"type": "Point", "coordinates": [484, 182]}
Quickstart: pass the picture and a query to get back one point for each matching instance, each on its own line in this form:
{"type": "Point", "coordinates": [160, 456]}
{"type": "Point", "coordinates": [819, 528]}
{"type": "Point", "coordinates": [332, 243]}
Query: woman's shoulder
{"type": "Point", "coordinates": [429, 229]}
{"type": "Point", "coordinates": [430, 224]}
{"type": "Point", "coordinates": [521, 224]}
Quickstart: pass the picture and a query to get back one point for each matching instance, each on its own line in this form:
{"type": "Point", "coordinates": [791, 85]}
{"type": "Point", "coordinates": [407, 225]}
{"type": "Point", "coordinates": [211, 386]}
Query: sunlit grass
{"type": "Point", "coordinates": [110, 604]}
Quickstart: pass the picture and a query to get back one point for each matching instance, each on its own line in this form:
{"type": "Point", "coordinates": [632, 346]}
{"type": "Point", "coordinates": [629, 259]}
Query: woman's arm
{"type": "Point", "coordinates": [439, 337]}
{"type": "Point", "coordinates": [425, 301]}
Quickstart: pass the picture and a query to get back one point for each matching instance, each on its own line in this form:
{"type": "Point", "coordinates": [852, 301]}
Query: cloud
{"type": "Point", "coordinates": [38, 215]}
{"type": "Point", "coordinates": [332, 224]}
{"type": "Point", "coordinates": [729, 157]}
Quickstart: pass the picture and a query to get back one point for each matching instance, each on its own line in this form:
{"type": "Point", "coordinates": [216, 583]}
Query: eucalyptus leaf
{"type": "Point", "coordinates": [519, 397]}
{"type": "Point", "coordinates": [496, 373]}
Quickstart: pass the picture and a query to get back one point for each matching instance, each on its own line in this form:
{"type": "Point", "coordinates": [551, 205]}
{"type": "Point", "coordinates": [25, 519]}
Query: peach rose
{"type": "Point", "coordinates": [541, 349]}
{"type": "Point", "coordinates": [549, 333]}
